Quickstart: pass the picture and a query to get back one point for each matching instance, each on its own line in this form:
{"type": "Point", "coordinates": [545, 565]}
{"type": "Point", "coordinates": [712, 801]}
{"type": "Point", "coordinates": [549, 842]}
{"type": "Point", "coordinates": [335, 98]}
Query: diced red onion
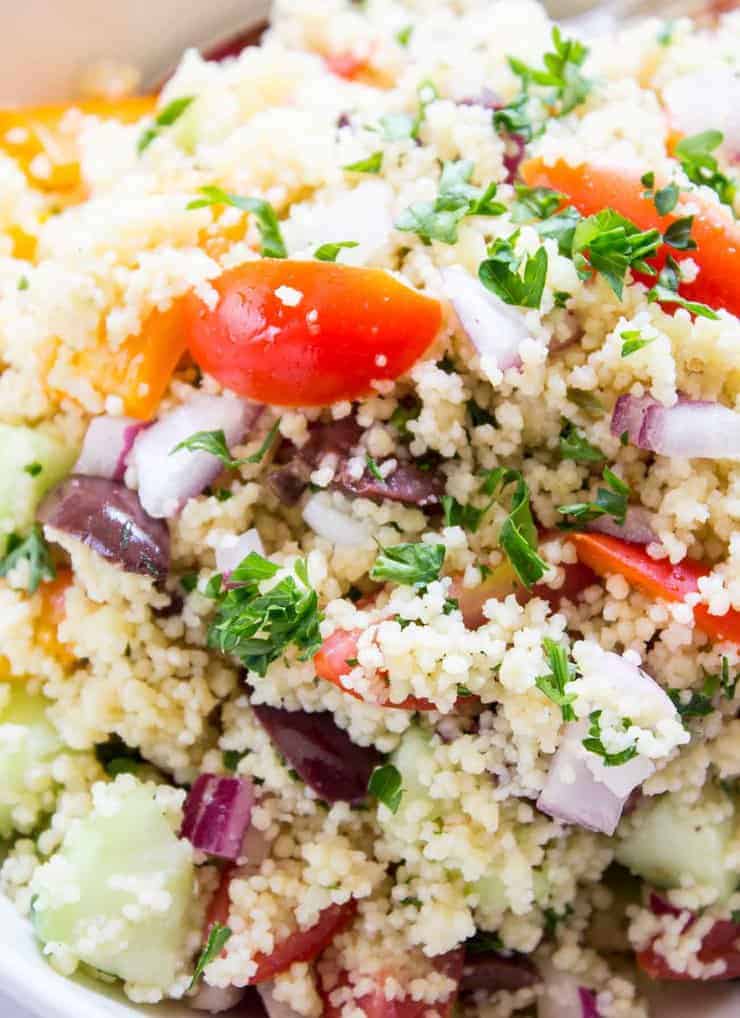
{"type": "Point", "coordinates": [486, 98]}
{"type": "Point", "coordinates": [322, 754]}
{"type": "Point", "coordinates": [166, 479]}
{"type": "Point", "coordinates": [329, 522]}
{"type": "Point", "coordinates": [629, 415]}
{"type": "Point", "coordinates": [564, 997]}
{"type": "Point", "coordinates": [636, 527]}
{"type": "Point", "coordinates": [588, 1003]}
{"type": "Point", "coordinates": [514, 152]}
{"type": "Point", "coordinates": [494, 329]}
{"type": "Point", "coordinates": [274, 1008]}
{"type": "Point", "coordinates": [215, 999]}
{"type": "Point", "coordinates": [233, 549]}
{"type": "Point", "coordinates": [493, 971]}
{"type": "Point", "coordinates": [107, 444]}
{"type": "Point", "coordinates": [217, 813]}
{"type": "Point", "coordinates": [692, 430]}
{"type": "Point", "coordinates": [108, 517]}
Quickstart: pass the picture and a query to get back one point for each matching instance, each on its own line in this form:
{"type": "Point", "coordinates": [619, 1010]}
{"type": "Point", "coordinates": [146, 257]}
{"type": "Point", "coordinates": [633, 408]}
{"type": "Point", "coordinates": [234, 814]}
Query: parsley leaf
{"type": "Point", "coordinates": [561, 228]}
{"type": "Point", "coordinates": [575, 446]}
{"type": "Point", "coordinates": [256, 627]}
{"type": "Point", "coordinates": [214, 442]}
{"type": "Point", "coordinates": [218, 937]}
{"type": "Point", "coordinates": [374, 469]}
{"type": "Point", "coordinates": [595, 745]}
{"type": "Point", "coordinates": [678, 234]}
{"type": "Point", "coordinates": [168, 116]}
{"type": "Point", "coordinates": [414, 565]}
{"type": "Point", "coordinates": [518, 535]}
{"type": "Point", "coordinates": [634, 341]}
{"type": "Point", "coordinates": [257, 457]}
{"type": "Point", "coordinates": [466, 516]}
{"type": "Point", "coordinates": [407, 410]}
{"type": "Point", "coordinates": [698, 705]}
{"type": "Point", "coordinates": [33, 469]}
{"type": "Point", "coordinates": [385, 784]}
{"type": "Point", "coordinates": [231, 758]}
{"type": "Point", "coordinates": [403, 35]}
{"type": "Point", "coordinates": [397, 126]}
{"type": "Point", "coordinates": [610, 501]}
{"type": "Point", "coordinates": [478, 415]}
{"type": "Point", "coordinates": [373, 164]}
{"type": "Point", "coordinates": [561, 673]}
{"type": "Point", "coordinates": [666, 199]}
{"type": "Point", "coordinates": [614, 244]}
{"type": "Point", "coordinates": [535, 203]}
{"type": "Point", "coordinates": [23, 283]}
{"type": "Point", "coordinates": [587, 401]}
{"type": "Point", "coordinates": [666, 291]}
{"type": "Point", "coordinates": [499, 273]}
{"type": "Point", "coordinates": [35, 551]}
{"type": "Point", "coordinates": [272, 243]}
{"type": "Point", "coordinates": [665, 35]}
{"type": "Point", "coordinates": [524, 117]}
{"type": "Point", "coordinates": [701, 167]}
{"type": "Point", "coordinates": [482, 942]}
{"type": "Point", "coordinates": [562, 71]}
{"type": "Point", "coordinates": [457, 198]}
{"type": "Point", "coordinates": [329, 252]}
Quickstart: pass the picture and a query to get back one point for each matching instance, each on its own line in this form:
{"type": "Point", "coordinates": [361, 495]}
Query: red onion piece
{"type": "Point", "coordinates": [636, 527]}
{"type": "Point", "coordinates": [493, 971]}
{"type": "Point", "coordinates": [235, 44]}
{"type": "Point", "coordinates": [692, 430]}
{"type": "Point", "coordinates": [588, 1003]}
{"type": "Point", "coordinates": [629, 414]}
{"type": "Point", "coordinates": [564, 997]}
{"type": "Point", "coordinates": [166, 479]}
{"type": "Point", "coordinates": [486, 98]}
{"type": "Point", "coordinates": [514, 152]}
{"type": "Point", "coordinates": [322, 754]}
{"type": "Point", "coordinates": [108, 517]}
{"type": "Point", "coordinates": [494, 329]}
{"type": "Point", "coordinates": [217, 813]}
{"type": "Point", "coordinates": [107, 444]}
{"type": "Point", "coordinates": [233, 549]}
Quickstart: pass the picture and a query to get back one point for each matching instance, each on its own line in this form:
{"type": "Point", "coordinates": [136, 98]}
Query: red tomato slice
{"type": "Point", "coordinates": [345, 65]}
{"type": "Point", "coordinates": [593, 187]}
{"type": "Point", "coordinates": [721, 943]}
{"type": "Point", "coordinates": [605, 554]}
{"type": "Point", "coordinates": [349, 328]}
{"type": "Point", "coordinates": [303, 945]}
{"type": "Point", "coordinates": [375, 1004]}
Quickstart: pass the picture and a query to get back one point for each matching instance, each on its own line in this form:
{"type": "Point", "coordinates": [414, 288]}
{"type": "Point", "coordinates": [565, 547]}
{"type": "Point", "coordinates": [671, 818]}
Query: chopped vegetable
{"type": "Point", "coordinates": [414, 565]}
{"type": "Point", "coordinates": [35, 551]}
{"type": "Point", "coordinates": [457, 199]}
{"type": "Point", "coordinates": [373, 164]}
{"type": "Point", "coordinates": [561, 673]}
{"type": "Point", "coordinates": [272, 243]}
{"type": "Point", "coordinates": [562, 72]}
{"type": "Point", "coordinates": [165, 118]}
{"type": "Point", "coordinates": [218, 938]}
{"type": "Point", "coordinates": [386, 785]}
{"type": "Point", "coordinates": [611, 501]}
{"type": "Point", "coordinates": [217, 813]}
{"type": "Point", "coordinates": [518, 535]}
{"type": "Point", "coordinates": [500, 274]}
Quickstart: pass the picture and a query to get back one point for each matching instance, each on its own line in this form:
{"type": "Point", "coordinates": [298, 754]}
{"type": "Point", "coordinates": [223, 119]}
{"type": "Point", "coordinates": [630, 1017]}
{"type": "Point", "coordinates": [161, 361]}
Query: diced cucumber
{"type": "Point", "coordinates": [667, 842]}
{"type": "Point", "coordinates": [27, 740]}
{"type": "Point", "coordinates": [117, 892]}
{"type": "Point", "coordinates": [22, 484]}
{"type": "Point", "coordinates": [413, 751]}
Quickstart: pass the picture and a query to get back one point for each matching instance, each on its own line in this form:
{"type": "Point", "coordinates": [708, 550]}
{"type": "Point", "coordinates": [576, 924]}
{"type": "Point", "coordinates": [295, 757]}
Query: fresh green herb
{"type": "Point", "coordinates": [561, 298]}
{"type": "Point", "coordinates": [678, 234]}
{"type": "Point", "coordinates": [665, 35]}
{"type": "Point", "coordinates": [666, 291]}
{"type": "Point", "coordinates": [727, 684]}
{"type": "Point", "coordinates": [648, 180]}
{"type": "Point", "coordinates": [534, 203]}
{"type": "Point", "coordinates": [415, 902]}
{"type": "Point", "coordinates": [32, 549]}
{"type": "Point", "coordinates": [385, 784]}
{"type": "Point", "coordinates": [523, 117]}
{"type": "Point", "coordinates": [624, 438]}
{"type": "Point", "coordinates": [256, 627]}
{"type": "Point", "coordinates": [373, 164]}
{"type": "Point", "coordinates": [695, 154]}
{"type": "Point", "coordinates": [466, 516]}
{"type": "Point", "coordinates": [561, 673]}
{"type": "Point", "coordinates": [188, 582]}
{"type": "Point", "coordinates": [168, 116]}
{"type": "Point", "coordinates": [666, 199]}
{"type": "Point", "coordinates": [23, 283]}
{"type": "Point", "coordinates": [214, 442]}
{"type": "Point", "coordinates": [329, 252]}
{"type": "Point", "coordinates": [33, 469]}
{"type": "Point", "coordinates": [553, 918]}
{"type": "Point", "coordinates": [397, 126]}
{"type": "Point", "coordinates": [501, 276]}
{"type": "Point", "coordinates": [414, 565]}
{"type": "Point", "coordinates": [562, 229]}
{"type": "Point", "coordinates": [518, 535]}
{"type": "Point", "coordinates": [634, 341]}
{"type": "Point", "coordinates": [374, 469]}
{"type": "Point", "coordinates": [116, 757]}
{"type": "Point", "coordinates": [272, 243]}
{"type": "Point", "coordinates": [736, 917]}
{"type": "Point", "coordinates": [586, 401]}
{"type": "Point", "coordinates": [479, 416]}
{"type": "Point", "coordinates": [218, 937]}
{"type": "Point", "coordinates": [613, 244]}
{"type": "Point", "coordinates": [698, 705]}
{"type": "Point", "coordinates": [452, 605]}
{"type": "Point", "coordinates": [610, 501]}
{"type": "Point", "coordinates": [457, 198]}
{"type": "Point", "coordinates": [575, 446]}
{"type": "Point", "coordinates": [595, 745]}
{"type": "Point", "coordinates": [407, 410]}
{"type": "Point", "coordinates": [231, 758]}
{"type": "Point", "coordinates": [562, 72]}
{"type": "Point", "coordinates": [257, 457]}
{"type": "Point", "coordinates": [403, 35]}
{"type": "Point", "coordinates": [223, 494]}
{"type": "Point", "coordinates": [482, 942]}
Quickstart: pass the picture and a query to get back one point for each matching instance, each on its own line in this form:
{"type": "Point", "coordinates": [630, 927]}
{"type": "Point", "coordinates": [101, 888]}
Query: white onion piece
{"type": "Point", "coordinates": [275, 1008]}
{"type": "Point", "coordinates": [636, 527]}
{"type": "Point", "coordinates": [167, 480]}
{"type": "Point", "coordinates": [494, 329]}
{"type": "Point", "coordinates": [233, 549]}
{"type": "Point", "coordinates": [215, 999]}
{"type": "Point", "coordinates": [335, 526]}
{"type": "Point", "coordinates": [363, 215]}
{"type": "Point", "coordinates": [107, 444]}
{"type": "Point", "coordinates": [563, 996]}
{"type": "Point", "coordinates": [692, 430]}
{"type": "Point", "coordinates": [707, 97]}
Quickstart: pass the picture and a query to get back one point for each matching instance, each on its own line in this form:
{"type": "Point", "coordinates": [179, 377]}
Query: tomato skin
{"type": "Point", "coordinates": [593, 187]}
{"type": "Point", "coordinates": [302, 945]}
{"type": "Point", "coordinates": [659, 578]}
{"type": "Point", "coordinates": [367, 326]}
{"type": "Point", "coordinates": [345, 65]}
{"type": "Point", "coordinates": [719, 944]}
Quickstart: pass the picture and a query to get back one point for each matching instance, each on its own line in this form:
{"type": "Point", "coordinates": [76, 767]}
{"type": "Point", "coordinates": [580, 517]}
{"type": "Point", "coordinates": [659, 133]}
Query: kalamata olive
{"type": "Point", "coordinates": [492, 971]}
{"type": "Point", "coordinates": [108, 517]}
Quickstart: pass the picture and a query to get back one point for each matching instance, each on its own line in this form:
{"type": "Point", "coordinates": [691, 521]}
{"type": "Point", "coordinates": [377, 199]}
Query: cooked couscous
{"type": "Point", "coordinates": [370, 517]}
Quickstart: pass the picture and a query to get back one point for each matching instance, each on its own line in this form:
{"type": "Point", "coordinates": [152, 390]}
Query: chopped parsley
{"type": "Point", "coordinates": [231, 758]}
{"type": "Point", "coordinates": [562, 73]}
{"type": "Point", "coordinates": [633, 340]}
{"type": "Point", "coordinates": [329, 252]}
{"type": "Point", "coordinates": [586, 401]}
{"type": "Point", "coordinates": [575, 446]}
{"type": "Point", "coordinates": [374, 469]}
{"type": "Point", "coordinates": [168, 116]}
{"type": "Point", "coordinates": [257, 627]}
{"type": "Point", "coordinates": [678, 234]}
{"type": "Point", "coordinates": [386, 785]}
{"type": "Point", "coordinates": [466, 516]}
{"type": "Point", "coordinates": [610, 244]}
{"type": "Point", "coordinates": [698, 705]}
{"type": "Point", "coordinates": [695, 154]}
{"type": "Point", "coordinates": [403, 35]}
{"type": "Point", "coordinates": [594, 744]}
{"type": "Point", "coordinates": [272, 243]}
{"type": "Point", "coordinates": [479, 416]}
{"type": "Point", "coordinates": [666, 199]}
{"type": "Point", "coordinates": [117, 757]}
{"type": "Point", "coordinates": [535, 202]}
{"type": "Point", "coordinates": [666, 291]}
{"type": "Point", "coordinates": [188, 582]}
{"type": "Point", "coordinates": [407, 410]}
{"type": "Point", "coordinates": [500, 274]}
{"type": "Point", "coordinates": [561, 228]}
{"type": "Point", "coordinates": [32, 549]}
{"type": "Point", "coordinates": [373, 164]}
{"type": "Point", "coordinates": [518, 535]}
{"type": "Point", "coordinates": [561, 673]}
{"type": "Point", "coordinates": [561, 298]}
{"type": "Point", "coordinates": [610, 501]}
{"type": "Point", "coordinates": [665, 35]}
{"type": "Point", "coordinates": [23, 283]}
{"type": "Point", "coordinates": [553, 918]}
{"type": "Point", "coordinates": [482, 942]}
{"type": "Point", "coordinates": [33, 469]}
{"type": "Point", "coordinates": [457, 198]}
{"type": "Point", "coordinates": [214, 442]}
{"type": "Point", "coordinates": [218, 937]}
{"type": "Point", "coordinates": [414, 565]}
{"type": "Point", "coordinates": [397, 126]}
{"type": "Point", "coordinates": [523, 117]}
